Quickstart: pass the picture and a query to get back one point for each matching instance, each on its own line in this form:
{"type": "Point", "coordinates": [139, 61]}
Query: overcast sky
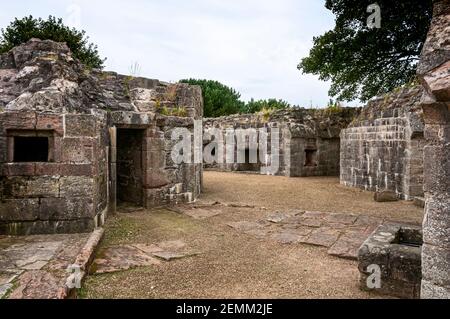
{"type": "Point", "coordinates": [253, 46]}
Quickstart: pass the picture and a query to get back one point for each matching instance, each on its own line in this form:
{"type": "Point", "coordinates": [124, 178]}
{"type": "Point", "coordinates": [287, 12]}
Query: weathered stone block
{"type": "Point", "coordinates": [66, 208]}
{"type": "Point", "coordinates": [78, 125]}
{"type": "Point", "coordinates": [76, 186]}
{"type": "Point", "coordinates": [432, 291]}
{"type": "Point", "coordinates": [3, 149]}
{"type": "Point", "coordinates": [436, 225]}
{"type": "Point", "coordinates": [436, 265]}
{"type": "Point", "coordinates": [50, 122]}
{"type": "Point", "coordinates": [47, 169]}
{"type": "Point", "coordinates": [38, 186]}
{"type": "Point", "coordinates": [19, 209]}
{"type": "Point", "coordinates": [437, 82]}
{"type": "Point", "coordinates": [48, 227]}
{"type": "Point", "coordinates": [19, 169]}
{"type": "Point", "coordinates": [76, 169]}
{"type": "Point", "coordinates": [154, 159]}
{"type": "Point", "coordinates": [17, 121]}
{"type": "Point", "coordinates": [436, 112]}
{"type": "Point", "coordinates": [78, 150]}
{"type": "Point", "coordinates": [395, 249]}
{"type": "Point", "coordinates": [437, 169]}
{"type": "Point", "coordinates": [385, 196]}
{"type": "Point", "coordinates": [155, 178]}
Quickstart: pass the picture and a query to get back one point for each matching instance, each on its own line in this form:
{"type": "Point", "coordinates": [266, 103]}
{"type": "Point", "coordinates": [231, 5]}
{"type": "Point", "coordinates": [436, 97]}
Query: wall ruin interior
{"type": "Point", "coordinates": [68, 146]}
{"type": "Point", "coordinates": [308, 140]}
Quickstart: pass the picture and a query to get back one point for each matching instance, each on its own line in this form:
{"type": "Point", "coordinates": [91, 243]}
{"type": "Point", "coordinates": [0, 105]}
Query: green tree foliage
{"type": "Point", "coordinates": [363, 62]}
{"type": "Point", "coordinates": [256, 106]}
{"type": "Point", "coordinates": [22, 30]}
{"type": "Point", "coordinates": [218, 99]}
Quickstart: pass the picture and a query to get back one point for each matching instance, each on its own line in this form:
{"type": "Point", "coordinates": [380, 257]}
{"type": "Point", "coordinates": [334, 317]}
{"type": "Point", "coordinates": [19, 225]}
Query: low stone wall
{"type": "Point", "coordinates": [382, 149]}
{"type": "Point", "coordinates": [308, 140]}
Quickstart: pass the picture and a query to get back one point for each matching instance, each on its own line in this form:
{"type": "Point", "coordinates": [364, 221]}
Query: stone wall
{"type": "Point", "coordinates": [308, 139]}
{"type": "Point", "coordinates": [59, 194]}
{"type": "Point", "coordinates": [65, 179]}
{"type": "Point", "coordinates": [382, 149]}
{"type": "Point", "coordinates": [434, 74]}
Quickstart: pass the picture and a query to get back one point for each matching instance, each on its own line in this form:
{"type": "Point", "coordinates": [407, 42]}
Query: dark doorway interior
{"type": "Point", "coordinates": [247, 166]}
{"type": "Point", "coordinates": [129, 166]}
{"type": "Point", "coordinates": [30, 149]}
{"type": "Point", "coordinates": [310, 157]}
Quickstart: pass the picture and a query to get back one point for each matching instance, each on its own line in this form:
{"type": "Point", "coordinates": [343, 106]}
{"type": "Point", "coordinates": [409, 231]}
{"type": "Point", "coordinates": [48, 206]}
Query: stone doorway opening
{"type": "Point", "coordinates": [249, 165]}
{"type": "Point", "coordinates": [130, 168]}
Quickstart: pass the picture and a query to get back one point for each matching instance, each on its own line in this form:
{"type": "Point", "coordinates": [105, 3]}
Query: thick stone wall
{"type": "Point", "coordinates": [382, 149]}
{"type": "Point", "coordinates": [50, 100]}
{"type": "Point", "coordinates": [434, 74]}
{"type": "Point", "coordinates": [65, 194]}
{"type": "Point", "coordinates": [308, 139]}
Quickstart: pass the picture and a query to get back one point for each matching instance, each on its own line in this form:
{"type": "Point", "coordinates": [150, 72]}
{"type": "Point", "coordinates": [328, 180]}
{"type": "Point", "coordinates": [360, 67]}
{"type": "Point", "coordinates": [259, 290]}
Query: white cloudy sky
{"type": "Point", "coordinates": [251, 45]}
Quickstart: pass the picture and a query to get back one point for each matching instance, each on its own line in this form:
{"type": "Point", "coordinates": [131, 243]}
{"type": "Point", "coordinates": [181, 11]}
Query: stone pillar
{"type": "Point", "coordinates": [434, 74]}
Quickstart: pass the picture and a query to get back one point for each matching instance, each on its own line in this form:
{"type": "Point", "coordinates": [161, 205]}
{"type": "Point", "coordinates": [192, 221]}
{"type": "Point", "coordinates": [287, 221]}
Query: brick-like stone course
{"type": "Point", "coordinates": [382, 149]}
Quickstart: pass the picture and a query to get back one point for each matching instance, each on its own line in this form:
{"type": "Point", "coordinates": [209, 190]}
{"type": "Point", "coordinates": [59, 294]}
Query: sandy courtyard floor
{"type": "Point", "coordinates": [224, 263]}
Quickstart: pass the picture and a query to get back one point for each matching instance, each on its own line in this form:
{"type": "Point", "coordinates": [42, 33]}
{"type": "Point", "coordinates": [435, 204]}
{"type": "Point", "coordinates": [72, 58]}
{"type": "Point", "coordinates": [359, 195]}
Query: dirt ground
{"type": "Point", "coordinates": [230, 264]}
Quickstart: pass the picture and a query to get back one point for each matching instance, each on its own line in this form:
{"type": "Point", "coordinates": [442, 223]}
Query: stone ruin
{"type": "Point", "coordinates": [308, 140]}
{"type": "Point", "coordinates": [74, 141]}
{"type": "Point", "coordinates": [382, 149]}
{"type": "Point", "coordinates": [434, 74]}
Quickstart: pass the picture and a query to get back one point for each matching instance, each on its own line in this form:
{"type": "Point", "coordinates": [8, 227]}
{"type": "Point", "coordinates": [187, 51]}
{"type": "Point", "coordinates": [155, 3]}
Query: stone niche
{"type": "Point", "coordinates": [393, 254]}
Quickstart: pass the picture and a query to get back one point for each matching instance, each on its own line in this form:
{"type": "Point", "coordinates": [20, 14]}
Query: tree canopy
{"type": "Point", "coordinates": [221, 100]}
{"type": "Point", "coordinates": [21, 30]}
{"type": "Point", "coordinates": [362, 62]}
{"type": "Point", "coordinates": [218, 99]}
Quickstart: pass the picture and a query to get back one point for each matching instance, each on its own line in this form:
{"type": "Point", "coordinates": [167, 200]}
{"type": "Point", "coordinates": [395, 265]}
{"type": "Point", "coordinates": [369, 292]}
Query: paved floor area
{"type": "Point", "coordinates": [36, 266]}
{"type": "Point", "coordinates": [249, 236]}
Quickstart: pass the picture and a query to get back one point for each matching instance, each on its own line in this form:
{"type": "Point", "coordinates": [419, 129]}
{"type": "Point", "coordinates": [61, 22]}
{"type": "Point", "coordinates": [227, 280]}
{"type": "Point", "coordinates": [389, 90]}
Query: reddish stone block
{"type": "Point", "coordinates": [18, 169]}
{"type": "Point", "coordinates": [77, 170]}
{"type": "Point", "coordinates": [51, 122]}
{"type": "Point", "coordinates": [77, 150]}
{"type": "Point", "coordinates": [80, 125]}
{"type": "Point", "coordinates": [154, 159]}
{"type": "Point", "coordinates": [154, 178]}
{"type": "Point", "coordinates": [19, 209]}
{"type": "Point", "coordinates": [436, 113]}
{"type": "Point", "coordinates": [47, 169]}
{"type": "Point", "coordinates": [3, 149]}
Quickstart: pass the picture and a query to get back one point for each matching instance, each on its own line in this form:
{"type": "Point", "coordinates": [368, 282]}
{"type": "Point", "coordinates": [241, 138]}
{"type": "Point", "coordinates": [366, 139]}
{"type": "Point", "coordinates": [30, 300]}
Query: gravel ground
{"type": "Point", "coordinates": [231, 264]}
{"type": "Point", "coordinates": [312, 193]}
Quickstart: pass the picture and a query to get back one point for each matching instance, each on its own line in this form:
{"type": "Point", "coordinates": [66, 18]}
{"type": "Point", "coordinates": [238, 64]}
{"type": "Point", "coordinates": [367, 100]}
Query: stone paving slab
{"type": "Point", "coordinates": [124, 257]}
{"type": "Point", "coordinates": [341, 233]}
{"type": "Point", "coordinates": [35, 267]}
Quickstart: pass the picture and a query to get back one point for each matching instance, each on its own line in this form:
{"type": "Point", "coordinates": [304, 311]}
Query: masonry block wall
{"type": "Point", "coordinates": [308, 139]}
{"type": "Point", "coordinates": [57, 193]}
{"type": "Point", "coordinates": [74, 141]}
{"type": "Point", "coordinates": [434, 74]}
{"type": "Point", "coordinates": [382, 149]}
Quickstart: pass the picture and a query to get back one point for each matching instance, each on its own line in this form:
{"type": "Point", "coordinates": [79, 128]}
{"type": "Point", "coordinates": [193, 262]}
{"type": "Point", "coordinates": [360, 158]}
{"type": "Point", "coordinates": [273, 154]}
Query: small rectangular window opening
{"type": "Point", "coordinates": [31, 149]}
